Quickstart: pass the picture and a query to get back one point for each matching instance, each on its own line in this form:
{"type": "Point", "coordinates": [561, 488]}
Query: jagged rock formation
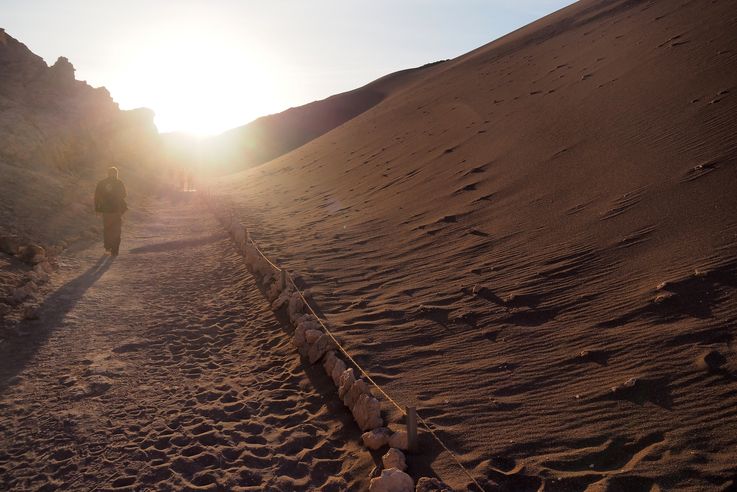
{"type": "Point", "coordinates": [57, 134]}
{"type": "Point", "coordinates": [50, 119]}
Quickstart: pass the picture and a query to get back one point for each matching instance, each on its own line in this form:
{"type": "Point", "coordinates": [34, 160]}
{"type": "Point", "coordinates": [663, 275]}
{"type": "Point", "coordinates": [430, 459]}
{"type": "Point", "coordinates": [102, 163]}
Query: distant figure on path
{"type": "Point", "coordinates": [110, 202]}
{"type": "Point", "coordinates": [190, 186]}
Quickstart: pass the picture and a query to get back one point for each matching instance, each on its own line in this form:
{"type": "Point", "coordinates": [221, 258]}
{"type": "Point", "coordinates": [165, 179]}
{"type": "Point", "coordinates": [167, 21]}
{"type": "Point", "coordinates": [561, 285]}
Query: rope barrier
{"type": "Point", "coordinates": [376, 385]}
{"type": "Point", "coordinates": [278, 269]}
{"type": "Point", "coordinates": [361, 369]}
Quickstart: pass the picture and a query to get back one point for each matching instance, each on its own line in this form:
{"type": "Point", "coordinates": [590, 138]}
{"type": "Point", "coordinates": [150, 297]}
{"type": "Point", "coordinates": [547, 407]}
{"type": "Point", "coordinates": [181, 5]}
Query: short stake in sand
{"type": "Point", "coordinates": [411, 429]}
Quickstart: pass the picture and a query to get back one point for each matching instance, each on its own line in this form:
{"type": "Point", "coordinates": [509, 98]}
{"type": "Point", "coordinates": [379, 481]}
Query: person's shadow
{"type": "Point", "coordinates": [51, 313]}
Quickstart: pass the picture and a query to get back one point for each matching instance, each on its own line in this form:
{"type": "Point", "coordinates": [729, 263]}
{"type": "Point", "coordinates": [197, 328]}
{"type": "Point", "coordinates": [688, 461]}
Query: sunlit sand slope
{"type": "Point", "coordinates": [271, 136]}
{"type": "Point", "coordinates": [537, 246]}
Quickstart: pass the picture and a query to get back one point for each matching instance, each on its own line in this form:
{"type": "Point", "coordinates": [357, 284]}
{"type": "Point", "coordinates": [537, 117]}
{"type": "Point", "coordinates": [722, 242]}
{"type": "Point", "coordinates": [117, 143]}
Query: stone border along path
{"type": "Point", "coordinates": [314, 341]}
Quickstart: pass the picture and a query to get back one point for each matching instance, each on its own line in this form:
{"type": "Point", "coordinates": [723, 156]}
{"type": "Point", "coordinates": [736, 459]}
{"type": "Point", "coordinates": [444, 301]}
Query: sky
{"type": "Point", "coordinates": [207, 66]}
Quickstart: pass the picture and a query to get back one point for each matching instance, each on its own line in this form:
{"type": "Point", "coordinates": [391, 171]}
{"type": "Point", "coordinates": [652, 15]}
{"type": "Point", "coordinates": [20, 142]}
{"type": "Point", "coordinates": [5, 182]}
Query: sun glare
{"type": "Point", "coordinates": [200, 83]}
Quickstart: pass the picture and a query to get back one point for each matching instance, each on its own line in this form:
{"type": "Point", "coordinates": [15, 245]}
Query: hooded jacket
{"type": "Point", "coordinates": [110, 196]}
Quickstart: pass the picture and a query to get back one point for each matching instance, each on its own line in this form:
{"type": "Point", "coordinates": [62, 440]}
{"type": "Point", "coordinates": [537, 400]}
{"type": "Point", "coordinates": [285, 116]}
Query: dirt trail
{"type": "Point", "coordinates": [164, 369]}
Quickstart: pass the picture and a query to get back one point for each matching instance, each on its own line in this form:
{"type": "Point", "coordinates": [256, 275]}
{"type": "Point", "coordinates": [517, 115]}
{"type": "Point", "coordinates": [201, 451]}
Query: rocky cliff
{"type": "Point", "coordinates": [57, 135]}
{"type": "Point", "coordinates": [50, 119]}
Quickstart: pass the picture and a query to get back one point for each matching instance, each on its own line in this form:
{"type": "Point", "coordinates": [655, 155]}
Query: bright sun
{"type": "Point", "coordinates": [200, 84]}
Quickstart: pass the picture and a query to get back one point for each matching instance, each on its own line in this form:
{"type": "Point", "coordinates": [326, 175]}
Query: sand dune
{"type": "Point", "coordinates": [536, 245]}
{"type": "Point", "coordinates": [533, 243]}
{"type": "Point", "coordinates": [271, 136]}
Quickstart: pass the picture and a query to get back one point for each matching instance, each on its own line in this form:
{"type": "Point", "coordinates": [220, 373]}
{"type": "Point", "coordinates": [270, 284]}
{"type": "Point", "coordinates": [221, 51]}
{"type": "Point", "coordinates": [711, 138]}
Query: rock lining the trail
{"type": "Point", "coordinates": [394, 458]}
{"type": "Point", "coordinates": [376, 439]}
{"type": "Point", "coordinates": [399, 440]}
{"type": "Point", "coordinates": [32, 254]}
{"type": "Point", "coordinates": [314, 344]}
{"type": "Point", "coordinates": [317, 346]}
{"type": "Point", "coordinates": [392, 480]}
{"type": "Point", "coordinates": [427, 484]}
{"type": "Point", "coordinates": [26, 284]}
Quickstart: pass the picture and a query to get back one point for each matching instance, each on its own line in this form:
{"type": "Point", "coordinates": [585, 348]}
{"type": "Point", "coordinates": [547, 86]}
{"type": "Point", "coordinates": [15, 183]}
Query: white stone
{"type": "Point", "coordinates": [295, 308]}
{"type": "Point", "coordinates": [392, 480]}
{"type": "Point", "coordinates": [367, 412]}
{"type": "Point", "coordinates": [329, 362]}
{"type": "Point", "coordinates": [268, 279]}
{"type": "Point", "coordinates": [399, 440]}
{"type": "Point", "coordinates": [30, 312]}
{"type": "Point", "coordinates": [312, 335]}
{"type": "Point", "coordinates": [273, 293]}
{"type": "Point", "coordinates": [20, 294]}
{"type": "Point", "coordinates": [394, 458]}
{"type": "Point", "coordinates": [427, 484]}
{"type": "Point", "coordinates": [309, 322]}
{"type": "Point", "coordinates": [281, 300]}
{"type": "Point", "coordinates": [299, 336]}
{"type": "Point", "coordinates": [47, 267]}
{"type": "Point", "coordinates": [318, 349]}
{"type": "Point", "coordinates": [251, 255]}
{"type": "Point", "coordinates": [346, 381]}
{"type": "Point", "coordinates": [376, 438]}
{"type": "Point", "coordinates": [337, 371]}
{"type": "Point", "coordinates": [359, 388]}
{"type": "Point", "coordinates": [40, 273]}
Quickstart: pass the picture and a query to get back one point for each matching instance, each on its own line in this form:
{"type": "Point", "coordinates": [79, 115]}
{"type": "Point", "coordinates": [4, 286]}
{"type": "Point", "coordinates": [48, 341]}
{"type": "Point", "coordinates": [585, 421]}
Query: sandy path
{"type": "Point", "coordinates": [164, 369]}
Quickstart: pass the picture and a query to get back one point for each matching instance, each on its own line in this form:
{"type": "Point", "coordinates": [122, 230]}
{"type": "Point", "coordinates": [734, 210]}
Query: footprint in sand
{"type": "Point", "coordinates": [711, 361]}
{"type": "Point", "coordinates": [128, 347]}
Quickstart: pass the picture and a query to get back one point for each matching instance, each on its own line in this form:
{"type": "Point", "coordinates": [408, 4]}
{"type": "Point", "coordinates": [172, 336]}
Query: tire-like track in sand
{"type": "Point", "coordinates": [165, 369]}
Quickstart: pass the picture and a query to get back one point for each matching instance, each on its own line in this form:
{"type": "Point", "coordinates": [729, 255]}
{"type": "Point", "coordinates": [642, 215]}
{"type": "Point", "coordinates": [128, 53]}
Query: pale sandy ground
{"type": "Point", "coordinates": [164, 369]}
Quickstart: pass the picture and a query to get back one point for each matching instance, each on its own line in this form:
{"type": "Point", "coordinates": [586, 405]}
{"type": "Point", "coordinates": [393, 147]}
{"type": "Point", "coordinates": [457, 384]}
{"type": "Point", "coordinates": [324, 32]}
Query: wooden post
{"type": "Point", "coordinates": [283, 279]}
{"type": "Point", "coordinates": [248, 235]}
{"type": "Point", "coordinates": [411, 428]}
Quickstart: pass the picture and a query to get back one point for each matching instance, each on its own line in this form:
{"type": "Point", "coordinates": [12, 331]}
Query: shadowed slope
{"type": "Point", "coordinates": [270, 136]}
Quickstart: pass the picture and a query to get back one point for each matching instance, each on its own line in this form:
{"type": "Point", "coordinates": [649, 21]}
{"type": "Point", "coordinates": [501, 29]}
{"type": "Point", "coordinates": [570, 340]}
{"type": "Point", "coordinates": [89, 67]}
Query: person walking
{"type": "Point", "coordinates": [110, 202]}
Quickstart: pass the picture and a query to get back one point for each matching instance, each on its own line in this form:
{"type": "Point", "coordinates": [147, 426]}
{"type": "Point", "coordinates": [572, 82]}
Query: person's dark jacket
{"type": "Point", "coordinates": [110, 196]}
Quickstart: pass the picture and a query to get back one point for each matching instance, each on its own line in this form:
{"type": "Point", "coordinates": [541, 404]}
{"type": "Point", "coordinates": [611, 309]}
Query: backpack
{"type": "Point", "coordinates": [108, 197]}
